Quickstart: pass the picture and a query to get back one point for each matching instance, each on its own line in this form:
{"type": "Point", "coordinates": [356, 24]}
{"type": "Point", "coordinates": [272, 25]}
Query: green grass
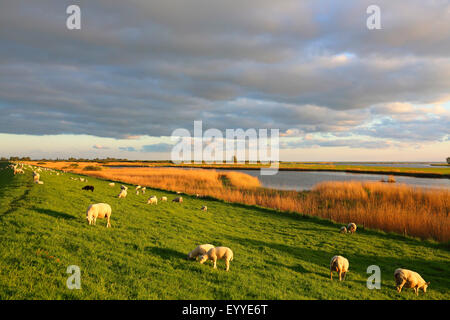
{"type": "Point", "coordinates": [276, 255]}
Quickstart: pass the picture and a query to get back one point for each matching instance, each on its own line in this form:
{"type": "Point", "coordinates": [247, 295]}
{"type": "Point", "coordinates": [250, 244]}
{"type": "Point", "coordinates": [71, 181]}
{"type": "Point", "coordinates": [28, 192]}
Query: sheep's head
{"type": "Point", "coordinates": [203, 258]}
{"type": "Point", "coordinates": [425, 286]}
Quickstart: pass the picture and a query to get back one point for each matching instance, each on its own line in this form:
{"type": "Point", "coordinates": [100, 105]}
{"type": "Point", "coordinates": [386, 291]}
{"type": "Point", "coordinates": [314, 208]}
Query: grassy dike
{"type": "Point", "coordinates": [277, 255]}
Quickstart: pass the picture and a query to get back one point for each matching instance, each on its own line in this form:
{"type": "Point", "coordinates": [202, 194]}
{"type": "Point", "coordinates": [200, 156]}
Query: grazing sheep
{"type": "Point", "coordinates": [112, 184]}
{"type": "Point", "coordinates": [122, 194]}
{"type": "Point", "coordinates": [340, 265]}
{"type": "Point", "coordinates": [204, 208]}
{"type": "Point", "coordinates": [219, 253]}
{"type": "Point", "coordinates": [152, 200]}
{"type": "Point", "coordinates": [98, 210]}
{"type": "Point", "coordinates": [351, 227]}
{"type": "Point", "coordinates": [343, 229]}
{"type": "Point", "coordinates": [178, 199]}
{"type": "Point", "coordinates": [40, 182]}
{"type": "Point", "coordinates": [138, 187]}
{"type": "Point", "coordinates": [82, 179]}
{"type": "Point", "coordinates": [143, 190]}
{"type": "Point", "coordinates": [163, 198]}
{"type": "Point", "coordinates": [122, 187]}
{"type": "Point", "coordinates": [178, 192]}
{"type": "Point", "coordinates": [410, 279]}
{"type": "Point", "coordinates": [199, 251]}
{"type": "Point", "coordinates": [88, 188]}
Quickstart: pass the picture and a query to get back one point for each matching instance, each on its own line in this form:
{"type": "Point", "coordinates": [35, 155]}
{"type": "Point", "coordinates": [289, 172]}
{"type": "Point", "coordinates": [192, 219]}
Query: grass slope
{"type": "Point", "coordinates": [276, 255]}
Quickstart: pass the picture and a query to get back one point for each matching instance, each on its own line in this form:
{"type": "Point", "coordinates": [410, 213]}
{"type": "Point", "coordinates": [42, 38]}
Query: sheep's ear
{"type": "Point", "coordinates": [428, 283]}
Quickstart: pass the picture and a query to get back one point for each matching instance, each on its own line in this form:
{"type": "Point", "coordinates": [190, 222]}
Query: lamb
{"type": "Point", "coordinates": [82, 179]}
{"type": "Point", "coordinates": [143, 190]}
{"type": "Point", "coordinates": [178, 199]}
{"type": "Point", "coordinates": [122, 194]}
{"type": "Point", "coordinates": [410, 279]}
{"type": "Point", "coordinates": [152, 200]}
{"type": "Point", "coordinates": [340, 265]}
{"type": "Point", "coordinates": [40, 182]}
{"type": "Point", "coordinates": [219, 253]}
{"type": "Point", "coordinates": [112, 184]}
{"type": "Point", "coordinates": [204, 208]}
{"type": "Point", "coordinates": [351, 227]}
{"type": "Point", "coordinates": [343, 229]}
{"type": "Point", "coordinates": [99, 210]}
{"type": "Point", "coordinates": [88, 188]}
{"type": "Point", "coordinates": [163, 198]}
{"type": "Point", "coordinates": [199, 251]}
{"type": "Point", "coordinates": [122, 187]}
{"type": "Point", "coordinates": [138, 187]}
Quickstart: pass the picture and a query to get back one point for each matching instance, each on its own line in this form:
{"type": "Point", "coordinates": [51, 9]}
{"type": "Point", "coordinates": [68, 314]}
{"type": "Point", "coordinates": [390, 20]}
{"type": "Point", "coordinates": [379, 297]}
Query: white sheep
{"type": "Point", "coordinates": [343, 229]}
{"type": "Point", "coordinates": [122, 187]}
{"type": "Point", "coordinates": [204, 208]}
{"type": "Point", "coordinates": [351, 227]}
{"type": "Point", "coordinates": [36, 177]}
{"type": "Point", "coordinates": [138, 187]}
{"type": "Point", "coordinates": [99, 210]}
{"type": "Point", "coordinates": [122, 194]}
{"type": "Point", "coordinates": [410, 279]}
{"type": "Point", "coordinates": [40, 182]}
{"type": "Point", "coordinates": [199, 251]}
{"type": "Point", "coordinates": [111, 184]}
{"type": "Point", "coordinates": [163, 198]}
{"type": "Point", "coordinates": [340, 265]}
{"type": "Point", "coordinates": [178, 199]}
{"type": "Point", "coordinates": [218, 253]}
{"type": "Point", "coordinates": [143, 190]}
{"type": "Point", "coordinates": [152, 200]}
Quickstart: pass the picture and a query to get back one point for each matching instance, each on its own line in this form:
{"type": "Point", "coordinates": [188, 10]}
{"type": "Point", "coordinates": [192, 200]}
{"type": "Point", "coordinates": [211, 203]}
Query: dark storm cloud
{"type": "Point", "coordinates": [149, 67]}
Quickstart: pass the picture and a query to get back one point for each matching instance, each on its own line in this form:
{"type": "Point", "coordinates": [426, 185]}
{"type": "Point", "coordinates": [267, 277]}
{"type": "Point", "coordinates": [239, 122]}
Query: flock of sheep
{"type": "Point", "coordinates": [403, 277]}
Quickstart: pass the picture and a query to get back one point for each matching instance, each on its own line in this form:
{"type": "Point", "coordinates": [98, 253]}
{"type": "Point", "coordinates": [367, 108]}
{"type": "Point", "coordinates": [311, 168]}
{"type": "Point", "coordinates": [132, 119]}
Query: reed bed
{"type": "Point", "coordinates": [398, 208]}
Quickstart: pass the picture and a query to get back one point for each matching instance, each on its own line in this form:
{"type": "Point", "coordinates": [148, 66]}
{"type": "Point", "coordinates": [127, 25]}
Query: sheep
{"type": "Point", "coordinates": [143, 190]}
{"type": "Point", "coordinates": [178, 192]}
{"type": "Point", "coordinates": [122, 194]}
{"type": "Point", "coordinates": [219, 253]}
{"type": "Point", "coordinates": [351, 227]}
{"type": "Point", "coordinates": [82, 179]}
{"type": "Point", "coordinates": [36, 177]}
{"type": "Point", "coordinates": [122, 187]}
{"type": "Point", "coordinates": [138, 187]}
{"type": "Point", "coordinates": [204, 208]}
{"type": "Point", "coordinates": [340, 265]}
{"type": "Point", "coordinates": [88, 188]}
{"type": "Point", "coordinates": [111, 184]}
{"type": "Point", "coordinates": [163, 198]}
{"type": "Point", "coordinates": [199, 251]}
{"type": "Point", "coordinates": [152, 200]}
{"type": "Point", "coordinates": [343, 229]}
{"type": "Point", "coordinates": [178, 199]}
{"type": "Point", "coordinates": [137, 192]}
{"type": "Point", "coordinates": [99, 210]}
{"type": "Point", "coordinates": [410, 279]}
{"type": "Point", "coordinates": [40, 182]}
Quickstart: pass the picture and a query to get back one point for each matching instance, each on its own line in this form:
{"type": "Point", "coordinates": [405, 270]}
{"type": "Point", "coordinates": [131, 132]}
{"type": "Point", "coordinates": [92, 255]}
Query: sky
{"type": "Point", "coordinates": [139, 69]}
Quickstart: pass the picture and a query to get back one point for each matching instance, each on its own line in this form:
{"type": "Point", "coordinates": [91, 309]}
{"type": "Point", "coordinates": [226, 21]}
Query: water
{"type": "Point", "coordinates": [305, 180]}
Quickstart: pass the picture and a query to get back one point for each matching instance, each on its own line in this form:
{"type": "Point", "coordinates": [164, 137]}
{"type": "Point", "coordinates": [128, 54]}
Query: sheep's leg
{"type": "Point", "coordinates": [345, 274]}
{"type": "Point", "coordinates": [331, 275]}
{"type": "Point", "coordinates": [108, 225]}
{"type": "Point", "coordinates": [215, 263]}
{"type": "Point", "coordinates": [227, 262]}
{"type": "Point", "coordinates": [400, 286]}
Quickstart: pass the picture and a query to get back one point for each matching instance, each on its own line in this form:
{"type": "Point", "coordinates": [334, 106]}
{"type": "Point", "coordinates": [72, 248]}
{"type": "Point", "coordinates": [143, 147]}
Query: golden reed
{"type": "Point", "coordinates": [396, 208]}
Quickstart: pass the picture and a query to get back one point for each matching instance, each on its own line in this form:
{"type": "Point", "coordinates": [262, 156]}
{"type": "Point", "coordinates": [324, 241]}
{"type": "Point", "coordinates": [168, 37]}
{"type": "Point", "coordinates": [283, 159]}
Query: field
{"type": "Point", "coordinates": [278, 255]}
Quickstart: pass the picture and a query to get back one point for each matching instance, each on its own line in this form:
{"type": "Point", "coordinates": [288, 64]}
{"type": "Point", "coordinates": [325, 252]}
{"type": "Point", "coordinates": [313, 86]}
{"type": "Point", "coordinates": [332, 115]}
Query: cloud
{"type": "Point", "coordinates": [157, 147]}
{"type": "Point", "coordinates": [100, 147]}
{"type": "Point", "coordinates": [130, 149]}
{"type": "Point", "coordinates": [147, 69]}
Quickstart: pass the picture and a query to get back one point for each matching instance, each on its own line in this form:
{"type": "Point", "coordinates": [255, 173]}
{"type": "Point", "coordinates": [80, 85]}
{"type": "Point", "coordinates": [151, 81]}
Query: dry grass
{"type": "Point", "coordinates": [390, 207]}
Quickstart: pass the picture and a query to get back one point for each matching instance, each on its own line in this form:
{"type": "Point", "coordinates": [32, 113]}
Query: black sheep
{"type": "Point", "coordinates": [88, 188]}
